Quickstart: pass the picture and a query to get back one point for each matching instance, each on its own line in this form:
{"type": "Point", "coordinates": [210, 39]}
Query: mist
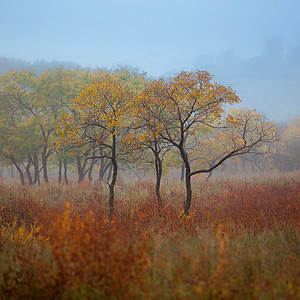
{"type": "Point", "coordinates": [268, 82]}
{"type": "Point", "coordinates": [252, 45]}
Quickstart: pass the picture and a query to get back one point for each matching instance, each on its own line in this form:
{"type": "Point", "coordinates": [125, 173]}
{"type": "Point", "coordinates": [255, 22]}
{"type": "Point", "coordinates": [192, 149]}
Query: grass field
{"type": "Point", "coordinates": [241, 240]}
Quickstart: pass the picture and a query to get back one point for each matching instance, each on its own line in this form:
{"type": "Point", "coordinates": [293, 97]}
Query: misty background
{"type": "Point", "coordinates": [253, 45]}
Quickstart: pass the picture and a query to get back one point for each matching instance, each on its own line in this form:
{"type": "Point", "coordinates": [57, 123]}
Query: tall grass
{"type": "Point", "coordinates": [240, 241]}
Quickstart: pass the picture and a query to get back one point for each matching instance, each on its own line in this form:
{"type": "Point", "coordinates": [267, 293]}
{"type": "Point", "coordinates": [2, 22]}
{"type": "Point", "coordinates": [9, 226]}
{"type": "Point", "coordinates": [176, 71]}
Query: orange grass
{"type": "Point", "coordinates": [240, 241]}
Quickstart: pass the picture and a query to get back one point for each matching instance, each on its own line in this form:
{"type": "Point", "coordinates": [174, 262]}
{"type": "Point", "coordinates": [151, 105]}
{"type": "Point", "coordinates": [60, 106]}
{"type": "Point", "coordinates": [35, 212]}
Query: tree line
{"type": "Point", "coordinates": [86, 119]}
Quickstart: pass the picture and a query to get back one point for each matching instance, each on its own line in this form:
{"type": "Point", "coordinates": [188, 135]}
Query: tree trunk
{"type": "Point", "coordinates": [59, 170]}
{"type": "Point", "coordinates": [109, 172]}
{"type": "Point", "coordinates": [19, 170]}
{"type": "Point", "coordinates": [80, 170]}
{"type": "Point", "coordinates": [158, 168]}
{"type": "Point", "coordinates": [36, 169]}
{"type": "Point", "coordinates": [27, 169]}
{"type": "Point", "coordinates": [91, 169]}
{"type": "Point", "coordinates": [44, 164]}
{"type": "Point", "coordinates": [114, 178]}
{"type": "Point", "coordinates": [65, 172]}
{"type": "Point", "coordinates": [182, 173]}
{"type": "Point", "coordinates": [103, 170]}
{"type": "Point", "coordinates": [104, 165]}
{"type": "Point", "coordinates": [188, 185]}
{"type": "Point", "coordinates": [10, 171]}
{"type": "Point", "coordinates": [188, 199]}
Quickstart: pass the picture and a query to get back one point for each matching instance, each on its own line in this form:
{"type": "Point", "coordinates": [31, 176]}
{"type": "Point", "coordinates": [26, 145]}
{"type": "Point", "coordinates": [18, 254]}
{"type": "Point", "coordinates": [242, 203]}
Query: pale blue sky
{"type": "Point", "coordinates": [255, 45]}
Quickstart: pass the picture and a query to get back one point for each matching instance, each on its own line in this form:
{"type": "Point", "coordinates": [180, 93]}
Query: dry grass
{"type": "Point", "coordinates": [240, 241]}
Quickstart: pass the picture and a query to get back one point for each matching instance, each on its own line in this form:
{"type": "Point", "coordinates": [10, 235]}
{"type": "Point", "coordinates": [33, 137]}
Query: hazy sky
{"type": "Point", "coordinates": [253, 44]}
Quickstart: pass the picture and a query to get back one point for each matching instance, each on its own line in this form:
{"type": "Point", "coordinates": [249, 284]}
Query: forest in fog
{"type": "Point", "coordinates": [33, 100]}
{"type": "Point", "coordinates": [114, 185]}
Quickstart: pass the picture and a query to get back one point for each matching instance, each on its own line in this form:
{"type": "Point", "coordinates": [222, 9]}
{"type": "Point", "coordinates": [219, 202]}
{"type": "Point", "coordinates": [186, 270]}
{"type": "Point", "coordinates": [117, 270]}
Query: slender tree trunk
{"type": "Point", "coordinates": [188, 185]}
{"type": "Point", "coordinates": [65, 172]}
{"type": "Point", "coordinates": [19, 170]}
{"type": "Point", "coordinates": [80, 170]}
{"type": "Point", "coordinates": [158, 167]}
{"type": "Point", "coordinates": [59, 170]}
{"type": "Point", "coordinates": [10, 171]}
{"type": "Point", "coordinates": [91, 169]}
{"type": "Point", "coordinates": [44, 164]}
{"type": "Point", "coordinates": [158, 171]}
{"type": "Point", "coordinates": [27, 169]}
{"type": "Point", "coordinates": [104, 165]}
{"type": "Point", "coordinates": [36, 169]}
{"type": "Point", "coordinates": [114, 178]}
{"type": "Point", "coordinates": [109, 172]}
{"type": "Point", "coordinates": [101, 173]}
{"type": "Point", "coordinates": [188, 199]}
{"type": "Point", "coordinates": [103, 170]}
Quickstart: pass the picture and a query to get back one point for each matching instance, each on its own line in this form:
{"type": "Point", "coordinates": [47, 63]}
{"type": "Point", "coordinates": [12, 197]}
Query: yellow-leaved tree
{"type": "Point", "coordinates": [147, 112]}
{"type": "Point", "coordinates": [97, 123]}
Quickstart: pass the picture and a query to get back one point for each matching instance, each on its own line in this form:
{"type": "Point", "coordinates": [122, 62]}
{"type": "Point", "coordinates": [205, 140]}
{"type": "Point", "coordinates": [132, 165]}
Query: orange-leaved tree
{"type": "Point", "coordinates": [97, 124]}
{"type": "Point", "coordinates": [194, 103]}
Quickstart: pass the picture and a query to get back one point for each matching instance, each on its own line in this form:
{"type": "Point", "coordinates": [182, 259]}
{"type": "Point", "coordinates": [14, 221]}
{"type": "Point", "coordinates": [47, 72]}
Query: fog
{"type": "Point", "coordinates": [268, 82]}
{"type": "Point", "coordinates": [254, 45]}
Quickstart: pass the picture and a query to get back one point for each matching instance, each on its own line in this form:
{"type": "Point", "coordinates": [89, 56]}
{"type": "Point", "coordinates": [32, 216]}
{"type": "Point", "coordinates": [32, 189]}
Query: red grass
{"type": "Point", "coordinates": [73, 249]}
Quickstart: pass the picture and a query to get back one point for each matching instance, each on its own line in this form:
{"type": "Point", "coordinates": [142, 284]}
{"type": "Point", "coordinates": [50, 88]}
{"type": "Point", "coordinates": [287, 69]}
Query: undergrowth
{"type": "Point", "coordinates": [241, 240]}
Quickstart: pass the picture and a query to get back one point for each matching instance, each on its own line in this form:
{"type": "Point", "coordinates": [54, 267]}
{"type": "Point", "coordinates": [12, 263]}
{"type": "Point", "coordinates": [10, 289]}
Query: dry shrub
{"type": "Point", "coordinates": [80, 256]}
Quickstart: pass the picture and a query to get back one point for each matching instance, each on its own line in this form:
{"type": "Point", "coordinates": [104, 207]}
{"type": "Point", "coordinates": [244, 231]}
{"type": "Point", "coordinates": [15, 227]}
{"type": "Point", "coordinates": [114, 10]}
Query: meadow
{"type": "Point", "coordinates": [241, 240]}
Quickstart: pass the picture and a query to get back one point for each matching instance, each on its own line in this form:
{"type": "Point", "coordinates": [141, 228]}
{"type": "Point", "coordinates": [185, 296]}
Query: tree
{"type": "Point", "coordinates": [19, 141]}
{"type": "Point", "coordinates": [192, 105]}
{"type": "Point", "coordinates": [51, 94]}
{"type": "Point", "coordinates": [145, 135]}
{"type": "Point", "coordinates": [291, 141]}
{"type": "Point", "coordinates": [130, 78]}
{"type": "Point", "coordinates": [41, 100]}
{"type": "Point", "coordinates": [37, 103]}
{"type": "Point", "coordinates": [98, 121]}
{"type": "Point", "coordinates": [19, 136]}
{"type": "Point", "coordinates": [286, 155]}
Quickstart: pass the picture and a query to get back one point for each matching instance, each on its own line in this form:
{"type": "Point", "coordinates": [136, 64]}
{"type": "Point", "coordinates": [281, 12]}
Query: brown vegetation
{"type": "Point", "coordinates": [240, 241]}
